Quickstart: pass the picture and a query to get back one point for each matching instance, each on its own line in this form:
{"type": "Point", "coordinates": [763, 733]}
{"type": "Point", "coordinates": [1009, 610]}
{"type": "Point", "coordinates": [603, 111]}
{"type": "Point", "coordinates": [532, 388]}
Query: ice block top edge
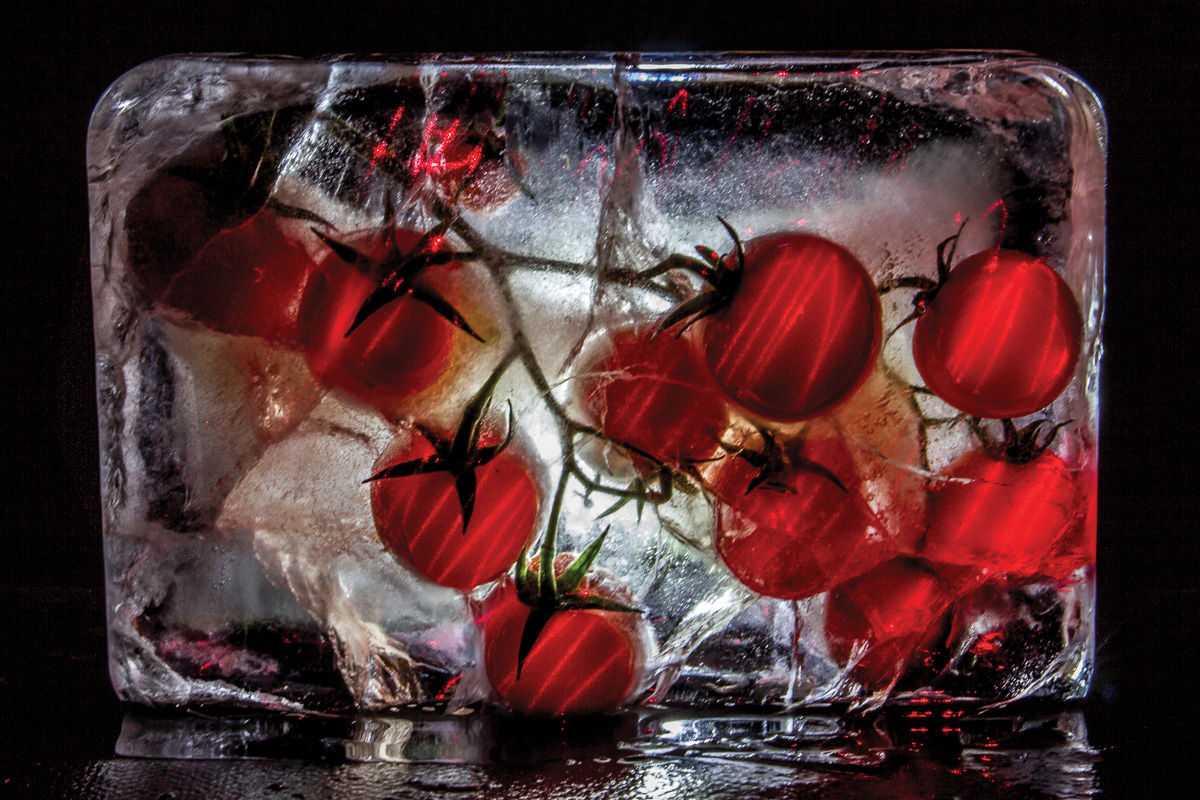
{"type": "Point", "coordinates": [732, 61]}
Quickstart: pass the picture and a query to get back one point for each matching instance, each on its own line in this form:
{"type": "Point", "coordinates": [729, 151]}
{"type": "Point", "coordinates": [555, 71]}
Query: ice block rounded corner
{"type": "Point", "coordinates": [786, 365]}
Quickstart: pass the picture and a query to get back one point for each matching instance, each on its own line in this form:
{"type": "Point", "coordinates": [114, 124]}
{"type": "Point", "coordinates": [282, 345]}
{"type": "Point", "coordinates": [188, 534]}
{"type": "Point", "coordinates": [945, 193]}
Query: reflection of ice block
{"type": "Point", "coordinates": [798, 355]}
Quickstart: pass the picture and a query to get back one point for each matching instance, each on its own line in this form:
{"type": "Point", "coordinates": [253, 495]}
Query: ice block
{"type": "Point", "coordinates": [551, 385]}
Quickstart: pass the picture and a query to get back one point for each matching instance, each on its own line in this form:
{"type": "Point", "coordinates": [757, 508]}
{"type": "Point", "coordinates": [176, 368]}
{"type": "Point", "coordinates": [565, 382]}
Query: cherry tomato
{"type": "Point", "coordinates": [479, 181]}
{"type": "Point", "coordinates": [1001, 517]}
{"type": "Point", "coordinates": [583, 662]}
{"type": "Point", "coordinates": [167, 222]}
{"type": "Point", "coordinates": [401, 349]}
{"type": "Point", "coordinates": [249, 280]}
{"type": "Point", "coordinates": [656, 395]}
{"type": "Point", "coordinates": [801, 331]}
{"type": "Point", "coordinates": [891, 611]}
{"type": "Point", "coordinates": [799, 533]}
{"type": "Point", "coordinates": [1001, 337]}
{"type": "Point", "coordinates": [1077, 546]}
{"type": "Point", "coordinates": [219, 182]}
{"type": "Point", "coordinates": [419, 517]}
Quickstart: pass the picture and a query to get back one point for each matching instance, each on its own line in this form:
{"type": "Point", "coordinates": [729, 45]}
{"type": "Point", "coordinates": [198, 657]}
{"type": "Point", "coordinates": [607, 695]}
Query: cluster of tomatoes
{"type": "Point", "coordinates": [788, 328]}
{"type": "Point", "coordinates": [738, 388]}
{"type": "Point", "coordinates": [376, 316]}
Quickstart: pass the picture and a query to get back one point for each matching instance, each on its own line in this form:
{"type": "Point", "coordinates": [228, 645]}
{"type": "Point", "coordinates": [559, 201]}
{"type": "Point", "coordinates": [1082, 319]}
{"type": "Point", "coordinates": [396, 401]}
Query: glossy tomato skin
{"type": "Point", "coordinates": [1002, 336]}
{"type": "Point", "coordinates": [656, 395]}
{"type": "Point", "coordinates": [401, 349]}
{"type": "Point", "coordinates": [1000, 517]}
{"type": "Point", "coordinates": [793, 545]}
{"type": "Point", "coordinates": [892, 610]}
{"type": "Point", "coordinates": [248, 280]}
{"type": "Point", "coordinates": [802, 331]}
{"type": "Point", "coordinates": [584, 662]}
{"type": "Point", "coordinates": [419, 518]}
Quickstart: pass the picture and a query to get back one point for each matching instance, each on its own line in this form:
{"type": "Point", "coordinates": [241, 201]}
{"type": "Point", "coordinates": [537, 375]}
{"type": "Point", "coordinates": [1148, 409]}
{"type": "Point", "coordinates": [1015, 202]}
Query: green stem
{"type": "Point", "coordinates": [546, 582]}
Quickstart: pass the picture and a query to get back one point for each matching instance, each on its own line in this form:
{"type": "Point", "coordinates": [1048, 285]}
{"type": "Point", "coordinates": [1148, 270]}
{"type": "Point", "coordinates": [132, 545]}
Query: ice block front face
{"type": "Point", "coordinates": [558, 384]}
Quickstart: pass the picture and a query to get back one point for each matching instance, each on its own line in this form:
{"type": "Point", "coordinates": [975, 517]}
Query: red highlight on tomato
{"type": "Point", "coordinates": [1002, 517]}
{"type": "Point", "coordinates": [656, 395]}
{"type": "Point", "coordinates": [583, 662]}
{"type": "Point", "coordinates": [885, 615]}
{"type": "Point", "coordinates": [801, 332]}
{"type": "Point", "coordinates": [1001, 336]}
{"type": "Point", "coordinates": [798, 533]}
{"type": "Point", "coordinates": [419, 517]}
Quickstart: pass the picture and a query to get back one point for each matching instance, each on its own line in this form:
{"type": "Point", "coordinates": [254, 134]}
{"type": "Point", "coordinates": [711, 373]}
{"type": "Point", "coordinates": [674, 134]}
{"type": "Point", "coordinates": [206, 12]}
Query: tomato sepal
{"type": "Point", "coordinates": [724, 275]}
{"type": "Point", "coordinates": [400, 271]}
{"type": "Point", "coordinates": [772, 463]}
{"type": "Point", "coordinates": [461, 455]}
{"type": "Point", "coordinates": [559, 593]}
{"type": "Point", "coordinates": [1018, 445]}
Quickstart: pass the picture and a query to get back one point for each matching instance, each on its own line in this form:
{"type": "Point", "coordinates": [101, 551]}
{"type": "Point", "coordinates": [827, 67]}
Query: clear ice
{"type": "Point", "coordinates": [244, 564]}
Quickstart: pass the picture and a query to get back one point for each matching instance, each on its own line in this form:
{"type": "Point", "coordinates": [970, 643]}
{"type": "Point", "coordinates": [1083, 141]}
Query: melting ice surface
{"type": "Point", "coordinates": [244, 564]}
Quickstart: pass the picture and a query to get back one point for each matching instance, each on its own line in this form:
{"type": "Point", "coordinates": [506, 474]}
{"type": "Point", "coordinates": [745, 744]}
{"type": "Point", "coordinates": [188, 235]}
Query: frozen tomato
{"type": "Point", "coordinates": [1077, 546]}
{"type": "Point", "coordinates": [1001, 517]}
{"type": "Point", "coordinates": [167, 222]}
{"type": "Point", "coordinates": [801, 530]}
{"type": "Point", "coordinates": [800, 332]}
{"type": "Point", "coordinates": [1000, 337]}
{"type": "Point", "coordinates": [884, 615]}
{"type": "Point", "coordinates": [656, 395]}
{"type": "Point", "coordinates": [402, 348]}
{"type": "Point", "coordinates": [219, 182]}
{"type": "Point", "coordinates": [479, 175]}
{"type": "Point", "coordinates": [419, 516]}
{"type": "Point", "coordinates": [583, 661]}
{"type": "Point", "coordinates": [248, 280]}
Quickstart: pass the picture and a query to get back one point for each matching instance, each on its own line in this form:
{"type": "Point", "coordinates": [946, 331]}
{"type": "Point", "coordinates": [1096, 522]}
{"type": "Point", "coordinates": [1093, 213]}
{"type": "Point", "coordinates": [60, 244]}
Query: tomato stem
{"type": "Point", "coordinates": [546, 581]}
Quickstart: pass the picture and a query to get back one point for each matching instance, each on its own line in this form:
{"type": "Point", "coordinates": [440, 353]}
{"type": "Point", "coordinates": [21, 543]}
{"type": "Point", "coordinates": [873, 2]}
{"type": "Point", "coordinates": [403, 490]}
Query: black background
{"type": "Point", "coordinates": [58, 708]}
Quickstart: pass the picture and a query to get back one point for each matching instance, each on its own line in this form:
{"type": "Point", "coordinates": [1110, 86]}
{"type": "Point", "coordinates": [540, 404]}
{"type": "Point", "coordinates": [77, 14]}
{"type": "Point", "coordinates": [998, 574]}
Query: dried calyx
{"type": "Point", "coordinates": [1018, 445]}
{"type": "Point", "coordinates": [723, 274]}
{"type": "Point", "coordinates": [927, 288]}
{"type": "Point", "coordinates": [399, 273]}
{"type": "Point", "coordinates": [774, 463]}
{"type": "Point", "coordinates": [463, 454]}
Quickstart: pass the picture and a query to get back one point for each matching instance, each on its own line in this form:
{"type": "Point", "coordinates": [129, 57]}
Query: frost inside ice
{"type": "Point", "coordinates": [244, 565]}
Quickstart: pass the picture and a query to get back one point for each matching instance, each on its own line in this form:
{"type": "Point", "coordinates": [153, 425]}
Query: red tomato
{"type": "Point", "coordinates": [419, 518]}
{"type": "Point", "coordinates": [167, 222]}
{"type": "Point", "coordinates": [1077, 546]}
{"type": "Point", "coordinates": [469, 164]}
{"type": "Point", "coordinates": [1001, 337]}
{"type": "Point", "coordinates": [1001, 517]}
{"type": "Point", "coordinates": [480, 182]}
{"type": "Point", "coordinates": [796, 544]}
{"type": "Point", "coordinates": [399, 350]}
{"type": "Point", "coordinates": [583, 662]}
{"type": "Point", "coordinates": [801, 332]}
{"type": "Point", "coordinates": [892, 610]}
{"type": "Point", "coordinates": [656, 395]}
{"type": "Point", "coordinates": [248, 280]}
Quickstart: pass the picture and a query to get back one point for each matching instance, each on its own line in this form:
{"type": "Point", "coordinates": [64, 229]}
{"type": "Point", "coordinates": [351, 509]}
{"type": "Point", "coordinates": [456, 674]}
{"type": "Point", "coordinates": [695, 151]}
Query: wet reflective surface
{"type": "Point", "coordinates": [63, 744]}
{"type": "Point", "coordinates": [659, 755]}
{"type": "Point", "coordinates": [63, 729]}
